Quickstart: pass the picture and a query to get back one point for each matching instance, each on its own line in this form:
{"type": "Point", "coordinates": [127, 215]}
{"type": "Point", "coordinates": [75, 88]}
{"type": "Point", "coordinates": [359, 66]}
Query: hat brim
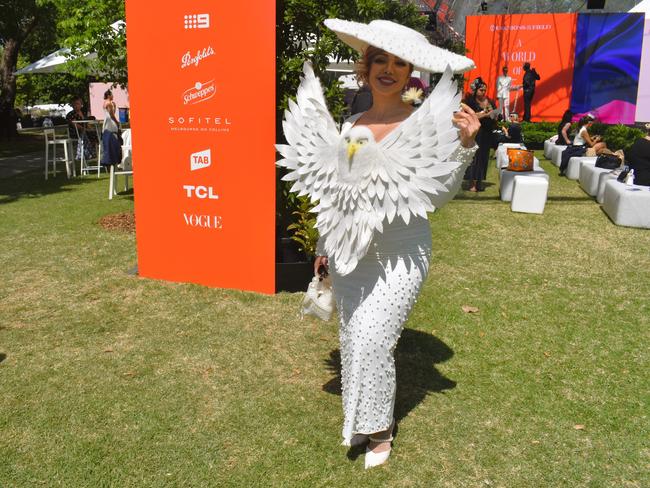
{"type": "Point", "coordinates": [401, 41]}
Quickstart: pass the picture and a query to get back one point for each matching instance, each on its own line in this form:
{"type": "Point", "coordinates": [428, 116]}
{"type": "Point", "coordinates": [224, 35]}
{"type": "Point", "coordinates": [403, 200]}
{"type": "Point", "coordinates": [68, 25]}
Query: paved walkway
{"type": "Point", "coordinates": [13, 165]}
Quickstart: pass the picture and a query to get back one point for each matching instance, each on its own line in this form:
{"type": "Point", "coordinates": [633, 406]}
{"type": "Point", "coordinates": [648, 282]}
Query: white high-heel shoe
{"type": "Point", "coordinates": [377, 458]}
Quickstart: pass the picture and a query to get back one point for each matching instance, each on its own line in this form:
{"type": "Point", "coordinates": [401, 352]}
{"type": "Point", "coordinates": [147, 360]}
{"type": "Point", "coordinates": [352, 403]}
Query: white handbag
{"type": "Point", "coordinates": [319, 299]}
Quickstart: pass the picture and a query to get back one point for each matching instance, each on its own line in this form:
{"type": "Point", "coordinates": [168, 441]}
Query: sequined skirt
{"type": "Point", "coordinates": [373, 302]}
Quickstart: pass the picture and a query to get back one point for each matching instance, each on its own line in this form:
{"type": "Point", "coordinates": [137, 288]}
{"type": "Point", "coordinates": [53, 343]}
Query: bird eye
{"type": "Point", "coordinates": [363, 141]}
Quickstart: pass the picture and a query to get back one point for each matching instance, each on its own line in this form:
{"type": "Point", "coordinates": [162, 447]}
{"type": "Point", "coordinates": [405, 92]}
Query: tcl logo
{"type": "Point", "coordinates": [201, 192]}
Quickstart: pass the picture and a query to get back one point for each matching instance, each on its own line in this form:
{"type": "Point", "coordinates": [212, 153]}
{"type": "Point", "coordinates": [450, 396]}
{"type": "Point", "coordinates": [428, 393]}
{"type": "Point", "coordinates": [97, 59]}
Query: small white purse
{"type": "Point", "coordinates": [319, 299]}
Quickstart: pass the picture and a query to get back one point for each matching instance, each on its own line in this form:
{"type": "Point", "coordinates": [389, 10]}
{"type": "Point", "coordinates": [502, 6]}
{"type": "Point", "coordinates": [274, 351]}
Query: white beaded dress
{"type": "Point", "coordinates": [372, 200]}
{"type": "Point", "coordinates": [373, 303]}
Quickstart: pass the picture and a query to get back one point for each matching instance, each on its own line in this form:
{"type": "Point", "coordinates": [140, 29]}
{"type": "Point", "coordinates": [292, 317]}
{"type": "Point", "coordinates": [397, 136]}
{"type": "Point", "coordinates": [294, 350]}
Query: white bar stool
{"type": "Point", "coordinates": [68, 153]}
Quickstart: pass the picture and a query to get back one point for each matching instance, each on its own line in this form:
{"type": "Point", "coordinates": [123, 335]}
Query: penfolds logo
{"type": "Point", "coordinates": [188, 60]}
{"type": "Point", "coordinates": [200, 160]}
{"type": "Point", "coordinates": [200, 92]}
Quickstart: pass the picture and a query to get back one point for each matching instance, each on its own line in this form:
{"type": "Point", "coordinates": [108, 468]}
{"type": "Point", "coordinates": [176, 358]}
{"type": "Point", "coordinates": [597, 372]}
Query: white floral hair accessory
{"type": "Point", "coordinates": [413, 96]}
{"type": "Point", "coordinates": [401, 41]}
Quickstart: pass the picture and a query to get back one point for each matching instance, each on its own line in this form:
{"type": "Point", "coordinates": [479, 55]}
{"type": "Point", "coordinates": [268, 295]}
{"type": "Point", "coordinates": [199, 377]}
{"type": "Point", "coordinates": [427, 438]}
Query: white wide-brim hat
{"type": "Point", "coordinates": [401, 41]}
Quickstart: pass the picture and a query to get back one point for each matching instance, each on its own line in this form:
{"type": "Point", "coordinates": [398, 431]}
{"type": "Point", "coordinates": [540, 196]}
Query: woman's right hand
{"type": "Point", "coordinates": [321, 261]}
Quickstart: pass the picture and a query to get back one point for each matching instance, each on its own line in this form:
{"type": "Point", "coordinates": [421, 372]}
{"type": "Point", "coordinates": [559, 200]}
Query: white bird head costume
{"type": "Point", "coordinates": [357, 183]}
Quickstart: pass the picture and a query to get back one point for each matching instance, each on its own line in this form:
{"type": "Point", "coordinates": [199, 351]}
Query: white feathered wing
{"type": "Point", "coordinates": [410, 176]}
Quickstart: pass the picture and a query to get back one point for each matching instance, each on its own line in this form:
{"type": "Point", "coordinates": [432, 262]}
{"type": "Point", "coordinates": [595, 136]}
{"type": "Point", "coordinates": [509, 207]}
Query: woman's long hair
{"type": "Point", "coordinates": [566, 118]}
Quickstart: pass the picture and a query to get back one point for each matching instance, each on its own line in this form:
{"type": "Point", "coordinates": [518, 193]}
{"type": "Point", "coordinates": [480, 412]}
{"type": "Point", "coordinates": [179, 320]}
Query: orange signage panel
{"type": "Point", "coordinates": [202, 89]}
{"type": "Point", "coordinates": [546, 41]}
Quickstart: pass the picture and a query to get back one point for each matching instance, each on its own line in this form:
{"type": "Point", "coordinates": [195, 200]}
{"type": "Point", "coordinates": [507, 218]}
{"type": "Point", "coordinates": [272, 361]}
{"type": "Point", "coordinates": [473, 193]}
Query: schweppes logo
{"type": "Point", "coordinates": [200, 92]}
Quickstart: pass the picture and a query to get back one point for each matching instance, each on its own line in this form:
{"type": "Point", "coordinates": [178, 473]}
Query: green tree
{"type": "Point", "coordinates": [19, 19]}
{"type": "Point", "coordinates": [45, 88]}
{"type": "Point", "coordinates": [87, 27]}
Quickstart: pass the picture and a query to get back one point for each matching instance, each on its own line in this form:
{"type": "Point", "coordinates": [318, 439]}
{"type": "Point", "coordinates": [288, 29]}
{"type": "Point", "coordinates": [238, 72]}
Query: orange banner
{"type": "Point", "coordinates": [202, 90]}
{"type": "Point", "coordinates": [546, 41]}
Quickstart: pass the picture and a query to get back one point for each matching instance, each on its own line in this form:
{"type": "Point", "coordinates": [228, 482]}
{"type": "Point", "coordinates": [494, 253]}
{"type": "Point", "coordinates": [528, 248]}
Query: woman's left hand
{"type": "Point", "coordinates": [468, 125]}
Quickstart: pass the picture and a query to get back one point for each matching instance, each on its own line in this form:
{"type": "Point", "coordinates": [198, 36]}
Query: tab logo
{"type": "Point", "coordinates": [200, 160]}
{"type": "Point", "coordinates": [197, 21]}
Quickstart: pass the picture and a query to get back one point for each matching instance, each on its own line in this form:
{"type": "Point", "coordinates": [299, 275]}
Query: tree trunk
{"type": "Point", "coordinates": [8, 89]}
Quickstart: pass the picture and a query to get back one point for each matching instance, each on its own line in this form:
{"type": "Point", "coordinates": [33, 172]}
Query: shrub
{"type": "Point", "coordinates": [621, 136]}
{"type": "Point", "coordinates": [535, 133]}
{"type": "Point", "coordinates": [304, 227]}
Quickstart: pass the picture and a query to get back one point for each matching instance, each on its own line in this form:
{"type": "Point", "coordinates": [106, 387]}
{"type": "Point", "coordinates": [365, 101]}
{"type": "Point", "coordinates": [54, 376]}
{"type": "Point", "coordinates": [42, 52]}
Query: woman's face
{"type": "Point", "coordinates": [480, 93]}
{"type": "Point", "coordinates": [388, 74]}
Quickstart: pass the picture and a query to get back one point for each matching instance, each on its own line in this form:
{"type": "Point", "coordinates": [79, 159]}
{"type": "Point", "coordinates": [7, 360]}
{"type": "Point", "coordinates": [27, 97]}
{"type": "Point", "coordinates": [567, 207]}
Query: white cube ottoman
{"type": "Point", "coordinates": [589, 178]}
{"type": "Point", "coordinates": [501, 154]}
{"type": "Point", "coordinates": [573, 170]}
{"type": "Point", "coordinates": [556, 154]}
{"type": "Point", "coordinates": [529, 194]}
{"type": "Point", "coordinates": [536, 165]}
{"type": "Point", "coordinates": [547, 146]}
{"type": "Point", "coordinates": [507, 181]}
{"type": "Point", "coordinates": [602, 179]}
{"type": "Point", "coordinates": [627, 205]}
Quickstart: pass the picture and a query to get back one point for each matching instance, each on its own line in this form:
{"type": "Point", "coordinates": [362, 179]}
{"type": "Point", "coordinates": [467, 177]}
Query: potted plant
{"type": "Point", "coordinates": [296, 251]}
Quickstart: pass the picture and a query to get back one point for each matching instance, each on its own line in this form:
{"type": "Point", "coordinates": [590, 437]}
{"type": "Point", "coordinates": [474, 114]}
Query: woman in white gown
{"type": "Point", "coordinates": [377, 275]}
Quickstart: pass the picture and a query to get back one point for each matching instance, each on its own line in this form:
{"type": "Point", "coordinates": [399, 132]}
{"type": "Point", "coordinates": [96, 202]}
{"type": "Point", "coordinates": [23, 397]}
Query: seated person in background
{"type": "Point", "coordinates": [584, 144]}
{"type": "Point", "coordinates": [638, 158]}
{"type": "Point", "coordinates": [563, 129]}
{"type": "Point", "coordinates": [512, 132]}
{"type": "Point", "coordinates": [78, 112]}
{"type": "Point", "coordinates": [89, 138]}
{"type": "Point", "coordinates": [593, 144]}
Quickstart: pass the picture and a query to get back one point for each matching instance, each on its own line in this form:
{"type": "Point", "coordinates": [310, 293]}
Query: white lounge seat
{"type": "Point", "coordinates": [502, 162]}
{"type": "Point", "coordinates": [548, 143]}
{"type": "Point", "coordinates": [575, 163]}
{"type": "Point", "coordinates": [627, 205]}
{"type": "Point", "coordinates": [556, 154]}
{"type": "Point", "coordinates": [529, 194]}
{"type": "Point", "coordinates": [589, 176]}
{"type": "Point", "coordinates": [507, 181]}
{"type": "Point", "coordinates": [602, 179]}
{"type": "Point", "coordinates": [501, 154]}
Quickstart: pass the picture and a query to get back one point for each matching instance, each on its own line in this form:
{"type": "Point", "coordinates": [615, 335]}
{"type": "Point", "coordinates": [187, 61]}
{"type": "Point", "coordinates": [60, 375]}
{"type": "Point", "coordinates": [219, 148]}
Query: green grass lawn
{"type": "Point", "coordinates": [107, 379]}
{"type": "Point", "coordinates": [25, 141]}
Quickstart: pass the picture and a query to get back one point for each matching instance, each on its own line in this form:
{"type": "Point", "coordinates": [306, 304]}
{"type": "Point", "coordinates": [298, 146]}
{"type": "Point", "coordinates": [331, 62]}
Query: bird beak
{"type": "Point", "coordinates": [352, 148]}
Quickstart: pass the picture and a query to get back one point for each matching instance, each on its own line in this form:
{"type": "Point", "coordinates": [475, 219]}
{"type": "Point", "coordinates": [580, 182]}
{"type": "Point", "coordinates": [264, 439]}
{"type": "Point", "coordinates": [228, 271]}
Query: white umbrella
{"type": "Point", "coordinates": [53, 62]}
